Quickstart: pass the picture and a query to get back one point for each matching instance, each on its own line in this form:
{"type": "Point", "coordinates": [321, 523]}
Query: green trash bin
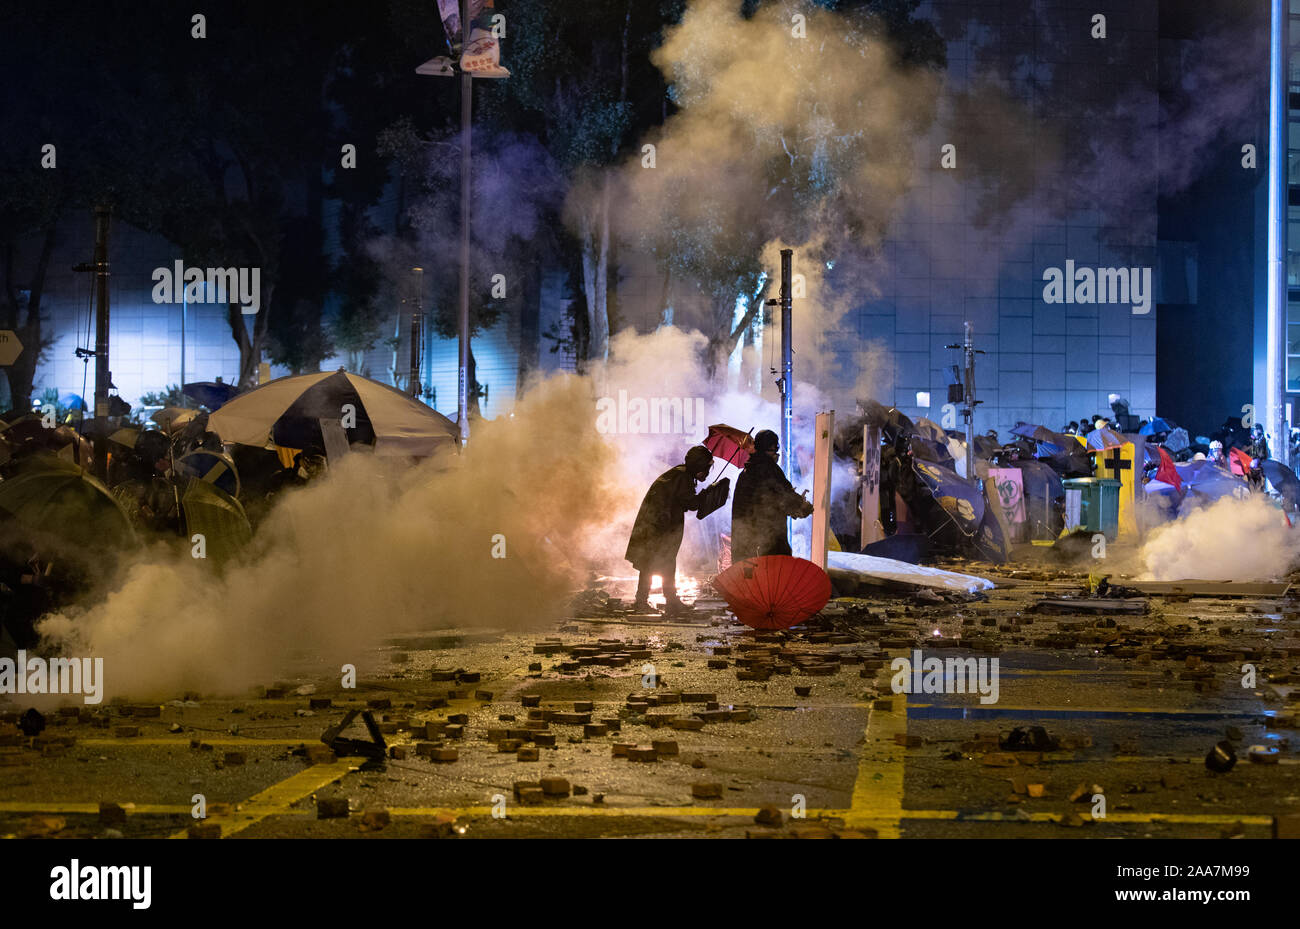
{"type": "Point", "coordinates": [1098, 504]}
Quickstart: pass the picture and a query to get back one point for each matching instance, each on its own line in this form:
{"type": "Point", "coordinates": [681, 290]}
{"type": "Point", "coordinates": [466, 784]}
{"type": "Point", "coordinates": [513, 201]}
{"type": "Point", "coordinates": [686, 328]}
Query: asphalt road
{"type": "Point", "coordinates": [1129, 707]}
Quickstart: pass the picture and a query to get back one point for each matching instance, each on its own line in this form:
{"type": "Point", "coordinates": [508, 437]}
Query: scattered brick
{"type": "Point", "coordinates": [555, 786]}
{"type": "Point", "coordinates": [331, 807]}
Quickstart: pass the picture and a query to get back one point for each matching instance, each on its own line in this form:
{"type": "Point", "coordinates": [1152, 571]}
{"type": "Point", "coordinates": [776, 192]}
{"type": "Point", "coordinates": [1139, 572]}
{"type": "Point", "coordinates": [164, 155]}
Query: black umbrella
{"type": "Point", "coordinates": [1284, 479]}
{"type": "Point", "coordinates": [212, 394]}
{"type": "Point", "coordinates": [1044, 492]}
{"type": "Point", "coordinates": [891, 421]}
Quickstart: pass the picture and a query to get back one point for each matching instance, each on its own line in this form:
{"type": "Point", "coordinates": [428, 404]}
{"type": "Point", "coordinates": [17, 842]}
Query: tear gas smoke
{"type": "Point", "coordinates": [1229, 540]}
{"type": "Point", "coordinates": [377, 547]}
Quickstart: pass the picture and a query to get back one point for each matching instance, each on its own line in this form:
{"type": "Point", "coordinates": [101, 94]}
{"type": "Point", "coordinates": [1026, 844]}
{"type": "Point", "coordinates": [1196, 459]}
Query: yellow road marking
{"type": "Point", "coordinates": [877, 801]}
{"type": "Point", "coordinates": [277, 798]}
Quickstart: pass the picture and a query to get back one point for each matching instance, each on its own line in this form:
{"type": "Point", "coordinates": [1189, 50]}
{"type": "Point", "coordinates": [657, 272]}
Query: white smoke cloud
{"type": "Point", "coordinates": [1229, 540]}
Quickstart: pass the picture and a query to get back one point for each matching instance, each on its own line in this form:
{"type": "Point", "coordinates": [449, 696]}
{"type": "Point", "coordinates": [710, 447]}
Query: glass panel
{"type": "Point", "coordinates": [1293, 374]}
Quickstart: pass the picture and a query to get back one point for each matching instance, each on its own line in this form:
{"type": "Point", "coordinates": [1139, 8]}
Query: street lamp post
{"type": "Point", "coordinates": [441, 67]}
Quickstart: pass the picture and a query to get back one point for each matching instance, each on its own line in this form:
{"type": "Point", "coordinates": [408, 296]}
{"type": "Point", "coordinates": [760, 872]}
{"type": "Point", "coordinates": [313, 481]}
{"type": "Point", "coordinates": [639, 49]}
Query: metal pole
{"type": "Point", "coordinates": [417, 318]}
{"type": "Point", "coordinates": [185, 305]}
{"type": "Point", "coordinates": [103, 377]}
{"type": "Point", "coordinates": [787, 365]}
{"type": "Point", "coordinates": [466, 104]}
{"type": "Point", "coordinates": [970, 406]}
{"type": "Point", "coordinates": [1275, 381]}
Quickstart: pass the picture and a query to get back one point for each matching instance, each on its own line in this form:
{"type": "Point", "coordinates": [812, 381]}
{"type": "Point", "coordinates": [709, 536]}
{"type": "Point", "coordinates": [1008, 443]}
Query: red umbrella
{"type": "Point", "coordinates": [774, 591]}
{"type": "Point", "coordinates": [730, 443]}
{"type": "Point", "coordinates": [1167, 472]}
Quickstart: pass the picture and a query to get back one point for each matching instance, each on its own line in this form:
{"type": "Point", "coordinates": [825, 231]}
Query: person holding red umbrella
{"type": "Point", "coordinates": [660, 522]}
{"type": "Point", "coordinates": [763, 500]}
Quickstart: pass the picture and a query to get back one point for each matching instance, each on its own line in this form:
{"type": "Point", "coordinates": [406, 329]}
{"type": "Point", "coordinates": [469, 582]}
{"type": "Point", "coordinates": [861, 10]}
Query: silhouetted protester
{"type": "Point", "coordinates": [657, 532]}
{"type": "Point", "coordinates": [1255, 476]}
{"type": "Point", "coordinates": [763, 500]}
{"type": "Point", "coordinates": [1258, 447]}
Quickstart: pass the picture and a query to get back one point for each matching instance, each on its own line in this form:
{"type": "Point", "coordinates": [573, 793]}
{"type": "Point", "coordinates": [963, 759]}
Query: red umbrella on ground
{"type": "Point", "coordinates": [774, 591]}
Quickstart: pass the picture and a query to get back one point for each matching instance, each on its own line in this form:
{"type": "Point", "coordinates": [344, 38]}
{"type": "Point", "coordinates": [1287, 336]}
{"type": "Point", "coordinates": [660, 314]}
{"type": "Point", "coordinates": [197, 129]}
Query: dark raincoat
{"type": "Point", "coordinates": [657, 532]}
{"type": "Point", "coordinates": [763, 500]}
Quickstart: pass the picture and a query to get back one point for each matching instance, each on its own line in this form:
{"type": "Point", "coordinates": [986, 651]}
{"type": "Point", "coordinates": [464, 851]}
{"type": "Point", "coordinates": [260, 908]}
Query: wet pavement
{"type": "Point", "coordinates": [616, 725]}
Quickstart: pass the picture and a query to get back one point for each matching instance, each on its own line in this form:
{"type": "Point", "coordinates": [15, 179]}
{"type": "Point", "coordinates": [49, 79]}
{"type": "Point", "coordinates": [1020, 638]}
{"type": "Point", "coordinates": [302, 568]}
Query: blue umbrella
{"type": "Point", "coordinates": [72, 402]}
{"type": "Point", "coordinates": [1156, 425]}
{"type": "Point", "coordinates": [960, 501]}
{"type": "Point", "coordinates": [1210, 482]}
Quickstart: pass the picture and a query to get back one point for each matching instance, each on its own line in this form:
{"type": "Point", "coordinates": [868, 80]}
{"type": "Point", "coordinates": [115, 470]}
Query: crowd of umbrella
{"type": "Point", "coordinates": [925, 465]}
{"type": "Point", "coordinates": [199, 479]}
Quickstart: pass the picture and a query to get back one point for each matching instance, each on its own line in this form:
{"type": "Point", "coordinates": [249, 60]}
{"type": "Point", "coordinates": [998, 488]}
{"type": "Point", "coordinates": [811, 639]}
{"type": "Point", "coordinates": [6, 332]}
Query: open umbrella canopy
{"type": "Point", "coordinates": [929, 429]}
{"type": "Point", "coordinates": [171, 418]}
{"type": "Point", "coordinates": [1037, 433]}
{"type": "Point", "coordinates": [774, 591]}
{"type": "Point", "coordinates": [1178, 440]}
{"type": "Point", "coordinates": [212, 394]}
{"type": "Point", "coordinates": [1209, 481]}
{"type": "Point", "coordinates": [1283, 479]}
{"type": "Point", "coordinates": [213, 467]}
{"type": "Point", "coordinates": [126, 436]}
{"type": "Point", "coordinates": [27, 435]}
{"type": "Point", "coordinates": [1156, 425]}
{"type": "Point", "coordinates": [1104, 438]}
{"type": "Point", "coordinates": [58, 498]}
{"type": "Point", "coordinates": [289, 411]}
{"type": "Point", "coordinates": [888, 418]}
{"type": "Point", "coordinates": [1043, 492]}
{"type": "Point", "coordinates": [729, 444]}
{"type": "Point", "coordinates": [960, 501]}
{"type": "Point", "coordinates": [925, 449]}
{"type": "Point", "coordinates": [218, 518]}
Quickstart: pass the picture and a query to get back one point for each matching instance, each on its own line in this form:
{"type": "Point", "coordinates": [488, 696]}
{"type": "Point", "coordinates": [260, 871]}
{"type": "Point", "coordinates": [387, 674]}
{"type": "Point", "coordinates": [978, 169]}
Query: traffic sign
{"type": "Point", "coordinates": [10, 347]}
